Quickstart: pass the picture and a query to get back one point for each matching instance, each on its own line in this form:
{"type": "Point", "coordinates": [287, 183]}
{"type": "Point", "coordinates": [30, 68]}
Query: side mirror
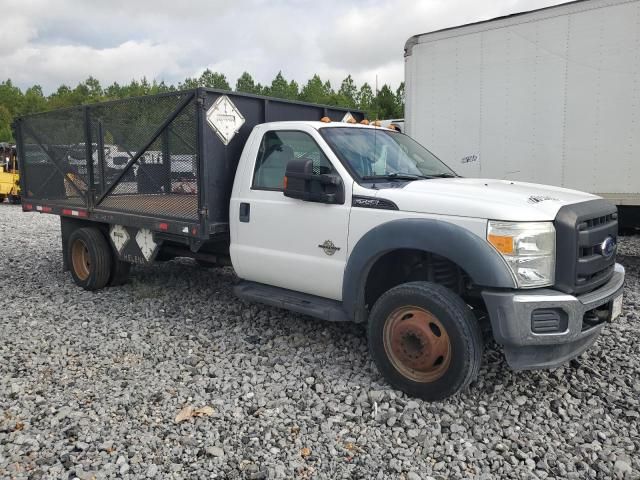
{"type": "Point", "coordinates": [301, 183]}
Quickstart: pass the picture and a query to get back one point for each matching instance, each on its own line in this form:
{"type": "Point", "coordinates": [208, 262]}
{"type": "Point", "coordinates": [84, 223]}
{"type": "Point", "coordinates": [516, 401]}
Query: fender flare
{"type": "Point", "coordinates": [473, 254]}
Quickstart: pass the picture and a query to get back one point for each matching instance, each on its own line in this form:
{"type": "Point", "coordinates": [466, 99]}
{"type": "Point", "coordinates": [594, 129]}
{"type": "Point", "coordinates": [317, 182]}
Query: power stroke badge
{"type": "Point", "coordinates": [329, 247]}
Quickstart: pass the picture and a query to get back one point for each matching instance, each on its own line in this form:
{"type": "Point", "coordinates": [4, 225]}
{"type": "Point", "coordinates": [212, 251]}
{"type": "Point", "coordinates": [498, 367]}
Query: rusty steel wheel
{"type": "Point", "coordinates": [80, 259]}
{"type": "Point", "coordinates": [89, 257]}
{"type": "Point", "coordinates": [417, 344]}
{"type": "Point", "coordinates": [425, 340]}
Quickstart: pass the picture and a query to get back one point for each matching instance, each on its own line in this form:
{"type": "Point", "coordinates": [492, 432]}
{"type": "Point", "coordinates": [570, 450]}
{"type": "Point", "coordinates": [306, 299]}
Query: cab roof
{"type": "Point", "coordinates": [318, 125]}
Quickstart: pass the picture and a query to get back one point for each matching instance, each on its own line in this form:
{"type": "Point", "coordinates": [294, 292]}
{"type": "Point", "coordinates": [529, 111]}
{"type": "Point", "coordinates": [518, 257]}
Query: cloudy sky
{"type": "Point", "coordinates": [50, 42]}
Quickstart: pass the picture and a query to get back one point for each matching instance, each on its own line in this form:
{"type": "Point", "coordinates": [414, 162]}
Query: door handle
{"type": "Point", "coordinates": [245, 212]}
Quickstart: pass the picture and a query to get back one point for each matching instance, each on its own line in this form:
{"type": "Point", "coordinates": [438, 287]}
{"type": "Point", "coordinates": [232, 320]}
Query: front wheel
{"type": "Point", "coordinates": [425, 340]}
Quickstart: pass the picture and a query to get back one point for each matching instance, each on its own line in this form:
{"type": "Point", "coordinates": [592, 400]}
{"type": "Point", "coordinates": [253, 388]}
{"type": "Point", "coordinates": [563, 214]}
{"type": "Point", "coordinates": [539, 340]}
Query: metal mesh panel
{"type": "Point", "coordinates": [54, 157]}
{"type": "Point", "coordinates": [162, 181]}
{"type": "Point", "coordinates": [142, 157]}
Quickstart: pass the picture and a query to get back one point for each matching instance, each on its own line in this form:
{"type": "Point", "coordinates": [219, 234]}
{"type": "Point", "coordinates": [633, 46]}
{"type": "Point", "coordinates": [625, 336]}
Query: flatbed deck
{"type": "Point", "coordinates": [182, 206]}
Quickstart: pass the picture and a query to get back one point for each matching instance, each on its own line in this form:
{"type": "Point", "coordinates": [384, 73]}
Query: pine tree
{"type": "Point", "coordinates": [315, 91]}
{"type": "Point", "coordinates": [213, 80]}
{"type": "Point", "coordinates": [246, 84]}
{"type": "Point", "coordinates": [365, 100]}
{"type": "Point", "coordinates": [347, 93]}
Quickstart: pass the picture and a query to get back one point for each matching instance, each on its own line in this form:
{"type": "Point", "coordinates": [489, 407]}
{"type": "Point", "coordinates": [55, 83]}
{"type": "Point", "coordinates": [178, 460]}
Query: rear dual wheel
{"type": "Point", "coordinates": [90, 258]}
{"type": "Point", "coordinates": [425, 340]}
{"type": "Point", "coordinates": [92, 262]}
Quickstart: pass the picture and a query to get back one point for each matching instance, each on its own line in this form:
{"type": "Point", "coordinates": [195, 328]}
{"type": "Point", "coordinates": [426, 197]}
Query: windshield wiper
{"type": "Point", "coordinates": [443, 175]}
{"type": "Point", "coordinates": [396, 176]}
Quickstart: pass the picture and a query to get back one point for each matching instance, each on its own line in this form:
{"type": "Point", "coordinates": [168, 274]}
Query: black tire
{"type": "Point", "coordinates": [119, 272]}
{"type": "Point", "coordinates": [90, 258]}
{"type": "Point", "coordinates": [2, 197]}
{"type": "Point", "coordinates": [429, 308]}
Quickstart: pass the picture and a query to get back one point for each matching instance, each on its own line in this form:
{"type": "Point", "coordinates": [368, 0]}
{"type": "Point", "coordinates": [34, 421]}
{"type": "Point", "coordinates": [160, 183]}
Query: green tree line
{"type": "Point", "coordinates": [383, 104]}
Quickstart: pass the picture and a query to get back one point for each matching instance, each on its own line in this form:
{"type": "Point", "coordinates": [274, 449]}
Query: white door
{"type": "Point", "coordinates": [286, 242]}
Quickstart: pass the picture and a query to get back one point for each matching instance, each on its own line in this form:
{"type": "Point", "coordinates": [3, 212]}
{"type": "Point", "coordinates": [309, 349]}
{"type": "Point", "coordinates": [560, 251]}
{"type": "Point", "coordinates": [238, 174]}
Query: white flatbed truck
{"type": "Point", "coordinates": [334, 219]}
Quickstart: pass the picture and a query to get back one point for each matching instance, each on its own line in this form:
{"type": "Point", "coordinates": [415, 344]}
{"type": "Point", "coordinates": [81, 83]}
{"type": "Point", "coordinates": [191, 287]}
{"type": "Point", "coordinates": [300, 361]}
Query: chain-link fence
{"type": "Point", "coordinates": [135, 156]}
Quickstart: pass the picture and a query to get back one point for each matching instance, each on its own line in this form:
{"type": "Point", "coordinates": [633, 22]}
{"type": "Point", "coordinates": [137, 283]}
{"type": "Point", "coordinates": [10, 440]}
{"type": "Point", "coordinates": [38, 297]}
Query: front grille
{"type": "Point", "coordinates": [581, 229]}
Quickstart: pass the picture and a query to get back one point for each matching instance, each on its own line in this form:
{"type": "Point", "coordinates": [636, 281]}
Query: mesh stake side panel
{"type": "Point", "coordinates": [163, 179]}
{"type": "Point", "coordinates": [161, 182]}
{"type": "Point", "coordinates": [54, 157]}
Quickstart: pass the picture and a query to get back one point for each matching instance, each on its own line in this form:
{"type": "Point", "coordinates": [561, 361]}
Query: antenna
{"type": "Point", "coordinates": [375, 131]}
{"type": "Point", "coordinates": [377, 96]}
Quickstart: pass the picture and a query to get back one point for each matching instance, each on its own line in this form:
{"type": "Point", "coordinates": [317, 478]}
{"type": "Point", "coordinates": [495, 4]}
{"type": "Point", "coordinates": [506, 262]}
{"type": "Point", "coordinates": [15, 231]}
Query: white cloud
{"type": "Point", "coordinates": [50, 44]}
{"type": "Point", "coordinates": [14, 33]}
{"type": "Point", "coordinates": [54, 65]}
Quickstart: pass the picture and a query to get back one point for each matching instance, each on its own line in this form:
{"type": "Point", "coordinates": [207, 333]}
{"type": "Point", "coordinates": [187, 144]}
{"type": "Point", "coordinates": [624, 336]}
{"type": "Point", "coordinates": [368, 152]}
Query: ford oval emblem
{"type": "Point", "coordinates": [608, 246]}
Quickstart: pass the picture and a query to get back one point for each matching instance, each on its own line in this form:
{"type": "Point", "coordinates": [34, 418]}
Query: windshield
{"type": "Point", "coordinates": [375, 154]}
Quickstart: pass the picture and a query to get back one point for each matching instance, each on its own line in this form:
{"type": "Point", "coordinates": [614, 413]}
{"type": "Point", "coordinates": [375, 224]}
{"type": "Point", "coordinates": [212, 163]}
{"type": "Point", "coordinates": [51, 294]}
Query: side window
{"type": "Point", "coordinates": [279, 147]}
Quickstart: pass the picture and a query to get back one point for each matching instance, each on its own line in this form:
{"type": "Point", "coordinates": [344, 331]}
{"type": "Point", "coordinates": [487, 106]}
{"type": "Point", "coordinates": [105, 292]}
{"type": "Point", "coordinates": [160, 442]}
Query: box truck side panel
{"type": "Point", "coordinates": [598, 118]}
{"type": "Point", "coordinates": [451, 113]}
{"type": "Point", "coordinates": [619, 72]}
{"type": "Point", "coordinates": [495, 104]}
{"type": "Point", "coordinates": [548, 51]}
{"type": "Point", "coordinates": [443, 71]}
{"type": "Point", "coordinates": [550, 96]}
{"type": "Point", "coordinates": [468, 102]}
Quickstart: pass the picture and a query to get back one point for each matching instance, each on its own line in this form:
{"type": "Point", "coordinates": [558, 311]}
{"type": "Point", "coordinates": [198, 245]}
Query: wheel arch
{"type": "Point", "coordinates": [472, 254]}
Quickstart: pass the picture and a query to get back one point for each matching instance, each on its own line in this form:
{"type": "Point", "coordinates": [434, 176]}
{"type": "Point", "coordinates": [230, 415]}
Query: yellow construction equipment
{"type": "Point", "coordinates": [9, 174]}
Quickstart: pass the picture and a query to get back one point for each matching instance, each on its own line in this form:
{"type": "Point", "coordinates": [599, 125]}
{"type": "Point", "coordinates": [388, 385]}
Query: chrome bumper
{"type": "Point", "coordinates": [511, 321]}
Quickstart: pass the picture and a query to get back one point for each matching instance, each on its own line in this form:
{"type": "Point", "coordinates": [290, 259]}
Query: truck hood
{"type": "Point", "coordinates": [482, 198]}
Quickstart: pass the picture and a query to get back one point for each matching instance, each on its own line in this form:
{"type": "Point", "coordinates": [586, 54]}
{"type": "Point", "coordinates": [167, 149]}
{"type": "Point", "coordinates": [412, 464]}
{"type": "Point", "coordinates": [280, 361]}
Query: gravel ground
{"type": "Point", "coordinates": [91, 384]}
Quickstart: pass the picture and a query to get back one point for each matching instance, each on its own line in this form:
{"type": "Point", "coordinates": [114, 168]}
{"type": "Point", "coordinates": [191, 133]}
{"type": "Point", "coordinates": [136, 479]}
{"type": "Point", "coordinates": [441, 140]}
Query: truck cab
{"type": "Point", "coordinates": [362, 223]}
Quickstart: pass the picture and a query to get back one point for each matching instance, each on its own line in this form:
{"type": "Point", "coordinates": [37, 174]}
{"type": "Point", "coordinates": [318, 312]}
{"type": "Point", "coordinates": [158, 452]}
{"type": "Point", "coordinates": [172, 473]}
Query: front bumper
{"type": "Point", "coordinates": [511, 314]}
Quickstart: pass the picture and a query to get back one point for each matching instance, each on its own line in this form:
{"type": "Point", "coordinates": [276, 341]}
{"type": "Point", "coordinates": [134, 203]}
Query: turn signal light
{"type": "Point", "coordinates": [502, 243]}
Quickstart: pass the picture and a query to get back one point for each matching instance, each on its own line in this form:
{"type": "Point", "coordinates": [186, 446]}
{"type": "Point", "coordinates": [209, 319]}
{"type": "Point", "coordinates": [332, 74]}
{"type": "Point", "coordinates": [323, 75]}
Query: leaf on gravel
{"type": "Point", "coordinates": [305, 452]}
{"type": "Point", "coordinates": [19, 426]}
{"type": "Point", "coordinates": [184, 414]}
{"type": "Point", "coordinates": [187, 412]}
{"type": "Point", "coordinates": [203, 412]}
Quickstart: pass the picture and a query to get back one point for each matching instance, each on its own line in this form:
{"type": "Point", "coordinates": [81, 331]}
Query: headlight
{"type": "Point", "coordinates": [529, 248]}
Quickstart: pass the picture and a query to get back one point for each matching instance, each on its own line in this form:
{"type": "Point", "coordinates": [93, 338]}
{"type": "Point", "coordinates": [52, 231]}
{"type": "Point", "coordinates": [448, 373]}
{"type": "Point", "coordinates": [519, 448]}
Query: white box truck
{"type": "Point", "coordinates": [549, 96]}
